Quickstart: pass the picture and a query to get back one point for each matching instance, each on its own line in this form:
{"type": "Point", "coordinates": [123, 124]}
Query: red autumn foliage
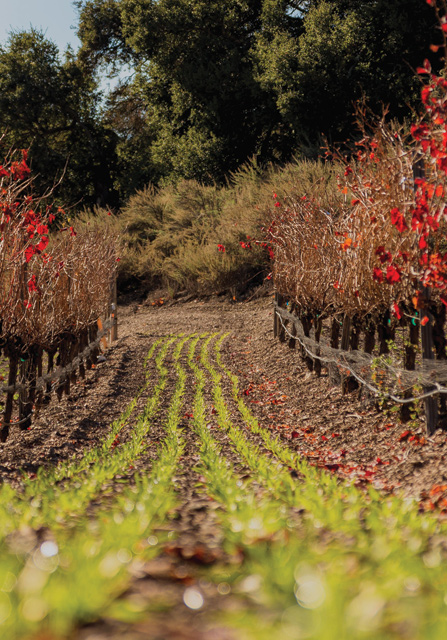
{"type": "Point", "coordinates": [51, 282]}
{"type": "Point", "coordinates": [370, 247]}
{"type": "Point", "coordinates": [392, 274]}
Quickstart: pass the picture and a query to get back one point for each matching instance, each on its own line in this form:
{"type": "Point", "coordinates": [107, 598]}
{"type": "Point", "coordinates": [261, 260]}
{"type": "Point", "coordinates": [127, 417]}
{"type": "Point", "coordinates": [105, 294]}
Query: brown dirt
{"type": "Point", "coordinates": [333, 431]}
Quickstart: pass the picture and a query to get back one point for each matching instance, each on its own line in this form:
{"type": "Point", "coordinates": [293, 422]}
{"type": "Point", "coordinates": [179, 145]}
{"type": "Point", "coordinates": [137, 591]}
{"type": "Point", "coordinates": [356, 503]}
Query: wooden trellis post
{"type": "Point", "coordinates": [334, 375]}
{"type": "Point", "coordinates": [275, 315]}
{"type": "Point", "coordinates": [292, 340]}
{"type": "Point", "coordinates": [440, 345]}
{"type": "Point", "coordinates": [114, 313]}
{"type": "Point", "coordinates": [306, 323]}
{"type": "Point", "coordinates": [318, 328]}
{"type": "Point", "coordinates": [281, 330]}
{"type": "Point", "coordinates": [431, 403]}
{"type": "Point", "coordinates": [345, 334]}
{"type": "Point", "coordinates": [11, 353]}
{"type": "Point", "coordinates": [27, 395]}
{"type": "Point", "coordinates": [410, 365]}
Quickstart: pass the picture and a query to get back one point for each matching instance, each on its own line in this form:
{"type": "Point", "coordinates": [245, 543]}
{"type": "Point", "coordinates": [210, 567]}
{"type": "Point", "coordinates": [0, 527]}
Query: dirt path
{"type": "Point", "coordinates": [336, 431]}
{"type": "Point", "coordinates": [313, 419]}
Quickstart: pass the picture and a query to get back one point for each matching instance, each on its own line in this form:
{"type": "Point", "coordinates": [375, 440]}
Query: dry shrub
{"type": "Point", "coordinates": [306, 265]}
{"type": "Point", "coordinates": [52, 281]}
{"type": "Point", "coordinates": [380, 181]}
{"type": "Point", "coordinates": [307, 210]}
{"type": "Point", "coordinates": [335, 248]}
{"type": "Point", "coordinates": [74, 288]}
{"type": "Point", "coordinates": [172, 235]}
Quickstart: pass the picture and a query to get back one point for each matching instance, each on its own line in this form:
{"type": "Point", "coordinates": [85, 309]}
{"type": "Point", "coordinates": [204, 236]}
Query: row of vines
{"type": "Point", "coordinates": [55, 282]}
{"type": "Point", "coordinates": [375, 257]}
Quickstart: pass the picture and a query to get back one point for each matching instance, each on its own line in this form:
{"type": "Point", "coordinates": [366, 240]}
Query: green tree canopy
{"type": "Point", "coordinates": [346, 50]}
{"type": "Point", "coordinates": [125, 113]}
{"type": "Point", "coordinates": [194, 58]}
{"type": "Point", "coordinates": [51, 107]}
{"type": "Point", "coordinates": [224, 80]}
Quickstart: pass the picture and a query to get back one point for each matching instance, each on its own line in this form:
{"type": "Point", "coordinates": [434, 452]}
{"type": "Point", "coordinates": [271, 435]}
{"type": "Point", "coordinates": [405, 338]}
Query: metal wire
{"type": "Point", "coordinates": [61, 372]}
{"type": "Point", "coordinates": [349, 359]}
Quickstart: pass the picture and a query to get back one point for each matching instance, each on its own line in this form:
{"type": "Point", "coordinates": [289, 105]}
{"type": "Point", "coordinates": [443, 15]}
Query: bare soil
{"type": "Point", "coordinates": [336, 432]}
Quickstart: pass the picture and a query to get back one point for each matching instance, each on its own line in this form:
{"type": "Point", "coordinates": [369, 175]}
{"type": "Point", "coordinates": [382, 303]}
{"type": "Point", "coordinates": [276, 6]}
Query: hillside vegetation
{"type": "Point", "coordinates": [211, 239]}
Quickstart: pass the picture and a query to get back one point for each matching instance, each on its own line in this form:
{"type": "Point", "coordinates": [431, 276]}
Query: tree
{"type": "Point", "coordinates": [52, 107]}
{"type": "Point", "coordinates": [203, 103]}
{"type": "Point", "coordinates": [347, 50]}
{"type": "Point", "coordinates": [225, 80]}
{"type": "Point", "coordinates": [125, 113]}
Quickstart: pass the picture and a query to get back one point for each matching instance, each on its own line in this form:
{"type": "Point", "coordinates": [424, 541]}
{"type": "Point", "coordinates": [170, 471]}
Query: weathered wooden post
{"type": "Point", "coordinates": [345, 336]}
{"type": "Point", "coordinates": [292, 339]}
{"type": "Point", "coordinates": [27, 394]}
{"type": "Point", "coordinates": [83, 344]}
{"type": "Point", "coordinates": [410, 365]}
{"type": "Point", "coordinates": [114, 314]}
{"type": "Point", "coordinates": [50, 367]}
{"type": "Point", "coordinates": [355, 333]}
{"type": "Point", "coordinates": [335, 340]}
{"type": "Point", "coordinates": [440, 344]}
{"type": "Point", "coordinates": [275, 316]}
{"type": "Point", "coordinates": [431, 403]}
{"type": "Point", "coordinates": [306, 322]}
{"type": "Point", "coordinates": [92, 335]}
{"type": "Point", "coordinates": [11, 353]}
{"type": "Point", "coordinates": [281, 330]}
{"type": "Point", "coordinates": [385, 332]}
{"type": "Point", "coordinates": [61, 362]}
{"type": "Point", "coordinates": [318, 328]}
{"type": "Point", "coordinates": [370, 336]}
{"type": "Point", "coordinates": [73, 352]}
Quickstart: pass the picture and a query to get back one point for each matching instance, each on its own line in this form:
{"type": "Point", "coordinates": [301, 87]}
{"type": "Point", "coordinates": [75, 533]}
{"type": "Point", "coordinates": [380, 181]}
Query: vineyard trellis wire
{"type": "Point", "coordinates": [83, 351]}
{"type": "Point", "coordinates": [51, 377]}
{"type": "Point", "coordinates": [55, 283]}
{"type": "Point", "coordinates": [378, 374]}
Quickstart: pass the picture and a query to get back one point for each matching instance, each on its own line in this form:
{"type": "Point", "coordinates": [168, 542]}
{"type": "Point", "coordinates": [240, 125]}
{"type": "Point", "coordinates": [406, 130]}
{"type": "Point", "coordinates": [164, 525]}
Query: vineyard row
{"type": "Point", "coordinates": [29, 388]}
{"type": "Point", "coordinates": [398, 361]}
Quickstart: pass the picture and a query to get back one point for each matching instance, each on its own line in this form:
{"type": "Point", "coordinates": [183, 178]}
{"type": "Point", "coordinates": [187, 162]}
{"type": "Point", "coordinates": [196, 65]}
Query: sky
{"type": "Point", "coordinates": [54, 17]}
